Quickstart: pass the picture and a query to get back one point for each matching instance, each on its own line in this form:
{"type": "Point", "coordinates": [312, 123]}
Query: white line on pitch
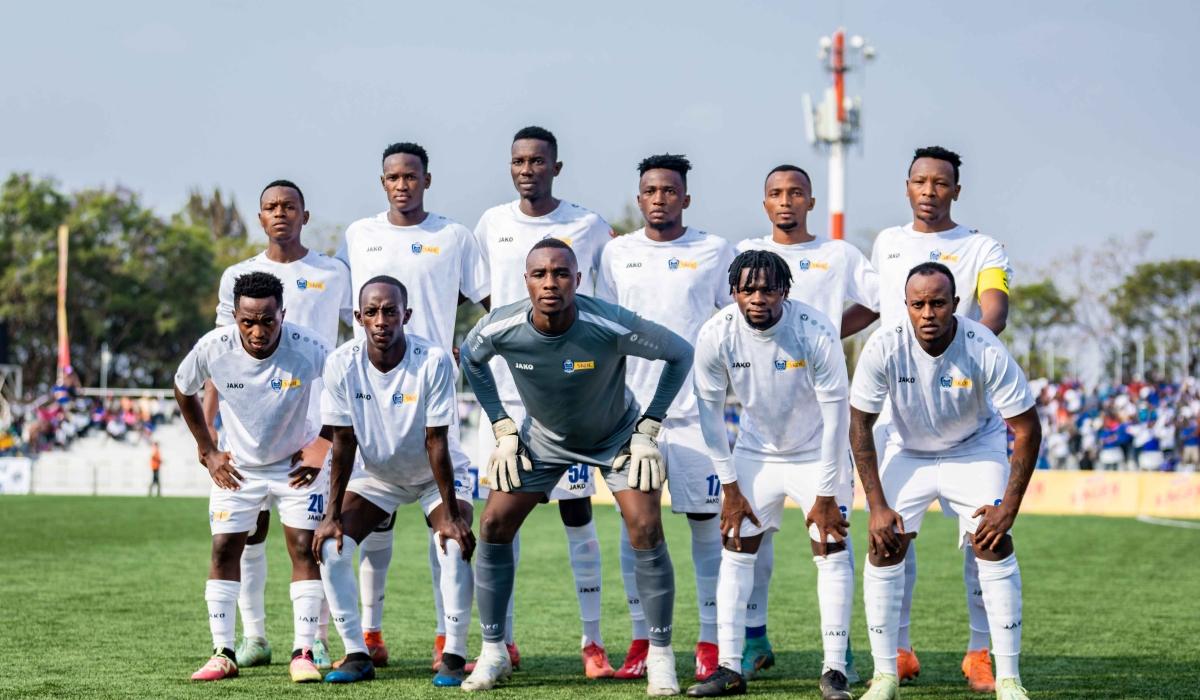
{"type": "Point", "coordinates": [1190, 525]}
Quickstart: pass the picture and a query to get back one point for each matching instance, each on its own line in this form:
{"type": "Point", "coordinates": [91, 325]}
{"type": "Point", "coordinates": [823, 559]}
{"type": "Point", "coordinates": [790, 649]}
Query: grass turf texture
{"type": "Point", "coordinates": [103, 598]}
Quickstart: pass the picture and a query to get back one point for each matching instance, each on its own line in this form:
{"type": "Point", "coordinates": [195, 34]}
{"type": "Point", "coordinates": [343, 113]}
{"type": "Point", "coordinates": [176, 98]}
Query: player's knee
{"type": "Point", "coordinates": [493, 529]}
{"type": "Point", "coordinates": [226, 550]}
{"type": "Point", "coordinates": [645, 532]}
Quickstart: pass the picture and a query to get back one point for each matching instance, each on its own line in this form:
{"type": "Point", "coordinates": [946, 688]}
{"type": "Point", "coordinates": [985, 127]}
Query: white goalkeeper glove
{"type": "Point", "coordinates": [646, 463]}
{"type": "Point", "coordinates": [503, 472]}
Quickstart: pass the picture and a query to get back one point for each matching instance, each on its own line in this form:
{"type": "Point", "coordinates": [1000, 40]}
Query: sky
{"type": "Point", "coordinates": [1074, 119]}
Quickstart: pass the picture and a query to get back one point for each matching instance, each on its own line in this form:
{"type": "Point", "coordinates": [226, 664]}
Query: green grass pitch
{"type": "Point", "coordinates": [103, 598]}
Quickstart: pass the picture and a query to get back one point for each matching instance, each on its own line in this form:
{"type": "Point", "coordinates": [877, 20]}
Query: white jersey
{"type": "Point", "coordinates": [391, 411]}
{"type": "Point", "coordinates": [965, 252]}
{"type": "Point", "coordinates": [264, 404]}
{"type": "Point", "coordinates": [316, 291]}
{"type": "Point", "coordinates": [779, 375]}
{"type": "Point", "coordinates": [505, 237]}
{"type": "Point", "coordinates": [952, 405]}
{"type": "Point", "coordinates": [825, 274]}
{"type": "Point", "coordinates": [677, 284]}
{"type": "Point", "coordinates": [435, 260]}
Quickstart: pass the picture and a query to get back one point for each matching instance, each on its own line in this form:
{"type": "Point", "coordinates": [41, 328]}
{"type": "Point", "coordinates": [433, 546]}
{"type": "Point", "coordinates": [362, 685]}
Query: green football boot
{"type": "Point", "coordinates": [253, 651]}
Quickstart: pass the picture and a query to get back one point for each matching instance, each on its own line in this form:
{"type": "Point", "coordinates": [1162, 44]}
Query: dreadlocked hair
{"type": "Point", "coordinates": [778, 274]}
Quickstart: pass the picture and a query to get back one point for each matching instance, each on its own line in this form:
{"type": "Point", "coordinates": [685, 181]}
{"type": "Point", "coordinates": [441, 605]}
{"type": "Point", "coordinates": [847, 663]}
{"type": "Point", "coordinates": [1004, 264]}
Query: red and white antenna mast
{"type": "Point", "coordinates": [836, 122]}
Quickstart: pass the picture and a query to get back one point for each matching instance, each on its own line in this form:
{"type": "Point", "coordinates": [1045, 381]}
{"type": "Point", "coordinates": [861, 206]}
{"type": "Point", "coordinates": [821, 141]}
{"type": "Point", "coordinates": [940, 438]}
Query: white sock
{"type": "Point", "coordinates": [764, 566]}
{"type": "Point", "coordinates": [337, 573]}
{"type": "Point", "coordinates": [883, 589]}
{"type": "Point", "coordinates": [1001, 585]}
{"type": "Point", "coordinates": [583, 548]}
{"type": "Point", "coordinates": [508, 632]}
{"type": "Point", "coordinates": [980, 630]}
{"type": "Point", "coordinates": [375, 555]}
{"type": "Point", "coordinates": [457, 587]}
{"type": "Point", "coordinates": [628, 559]}
{"type": "Point", "coordinates": [910, 582]}
{"type": "Point", "coordinates": [323, 621]}
{"type": "Point", "coordinates": [306, 609]}
{"type": "Point", "coordinates": [254, 583]}
{"type": "Point", "coordinates": [733, 590]}
{"type": "Point", "coordinates": [435, 570]}
{"type": "Point", "coordinates": [835, 595]}
{"type": "Point", "coordinates": [706, 556]}
{"type": "Point", "coordinates": [222, 607]}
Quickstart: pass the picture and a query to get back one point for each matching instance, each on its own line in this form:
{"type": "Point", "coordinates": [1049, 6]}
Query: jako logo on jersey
{"type": "Point", "coordinates": [938, 255]}
{"type": "Point", "coordinates": [524, 365]}
{"type": "Point", "coordinates": [417, 249]}
{"type": "Point", "coordinates": [784, 365]}
{"type": "Point", "coordinates": [677, 264]}
{"type": "Point", "coordinates": [949, 382]}
{"type": "Point", "coordinates": [281, 384]}
{"type": "Point", "coordinates": [375, 249]}
{"type": "Point", "coordinates": [305, 284]}
{"type": "Point", "coordinates": [570, 366]}
{"type": "Point", "coordinates": [907, 380]}
{"type": "Point", "coordinates": [629, 265]}
{"type": "Point", "coordinates": [504, 239]}
{"type": "Point", "coordinates": [806, 264]}
{"type": "Point", "coordinates": [232, 385]}
{"type": "Point", "coordinates": [364, 397]}
{"type": "Point", "coordinates": [893, 256]}
{"type": "Point", "coordinates": [740, 365]}
{"type": "Point", "coordinates": [398, 399]}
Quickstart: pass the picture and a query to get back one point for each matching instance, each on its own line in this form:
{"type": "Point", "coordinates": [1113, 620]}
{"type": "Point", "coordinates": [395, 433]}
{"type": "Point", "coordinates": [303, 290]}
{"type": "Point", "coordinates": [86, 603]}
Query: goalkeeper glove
{"type": "Point", "coordinates": [503, 472]}
{"type": "Point", "coordinates": [646, 463]}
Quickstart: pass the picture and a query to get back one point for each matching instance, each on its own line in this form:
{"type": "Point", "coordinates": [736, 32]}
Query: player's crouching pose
{"type": "Point", "coordinates": [567, 356]}
{"type": "Point", "coordinates": [264, 372]}
{"type": "Point", "coordinates": [391, 397]}
{"type": "Point", "coordinates": [950, 385]}
{"type": "Point", "coordinates": [785, 363]}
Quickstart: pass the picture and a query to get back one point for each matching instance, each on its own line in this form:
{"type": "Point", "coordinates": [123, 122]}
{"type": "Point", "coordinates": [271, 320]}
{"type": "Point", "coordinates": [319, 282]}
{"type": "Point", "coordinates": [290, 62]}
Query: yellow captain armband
{"type": "Point", "coordinates": [991, 278]}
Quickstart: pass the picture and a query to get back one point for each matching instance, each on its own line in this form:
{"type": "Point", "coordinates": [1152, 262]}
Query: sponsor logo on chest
{"type": "Point", "coordinates": [417, 249]}
{"type": "Point", "coordinates": [677, 264]}
{"type": "Point", "coordinates": [785, 365]}
{"type": "Point", "coordinates": [570, 366]}
{"type": "Point", "coordinates": [806, 265]}
{"type": "Point", "coordinates": [939, 256]}
{"type": "Point", "coordinates": [398, 399]}
{"type": "Point", "coordinates": [305, 285]}
{"type": "Point", "coordinates": [948, 382]}
{"type": "Point", "coordinates": [566, 240]}
{"type": "Point", "coordinates": [281, 384]}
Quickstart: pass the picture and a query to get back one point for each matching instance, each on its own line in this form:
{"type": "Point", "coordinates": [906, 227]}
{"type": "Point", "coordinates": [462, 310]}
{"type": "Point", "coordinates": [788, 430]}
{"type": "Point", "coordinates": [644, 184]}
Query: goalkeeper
{"type": "Point", "coordinates": [567, 357]}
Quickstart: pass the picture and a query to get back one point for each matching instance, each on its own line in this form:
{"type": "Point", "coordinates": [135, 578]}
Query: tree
{"type": "Point", "coordinates": [221, 218]}
{"type": "Point", "coordinates": [630, 220]}
{"type": "Point", "coordinates": [134, 282]}
{"type": "Point", "coordinates": [1162, 299]}
{"type": "Point", "coordinates": [1035, 310]}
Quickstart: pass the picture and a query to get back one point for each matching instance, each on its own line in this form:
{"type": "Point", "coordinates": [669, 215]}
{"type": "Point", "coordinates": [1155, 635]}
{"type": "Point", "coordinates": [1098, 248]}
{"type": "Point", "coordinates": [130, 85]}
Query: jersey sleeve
{"type": "Point", "coordinates": [711, 381]}
{"type": "Point", "coordinates": [343, 251]}
{"type": "Point", "coordinates": [994, 258]}
{"type": "Point", "coordinates": [225, 299]}
{"type": "Point", "coordinates": [193, 372]}
{"type": "Point", "coordinates": [863, 283]}
{"type": "Point", "coordinates": [439, 387]}
{"type": "Point", "coordinates": [830, 381]}
{"type": "Point", "coordinates": [335, 404]}
{"type": "Point", "coordinates": [474, 354]}
{"type": "Point", "coordinates": [603, 234]}
{"type": "Point", "coordinates": [474, 282]}
{"type": "Point", "coordinates": [639, 337]}
{"type": "Point", "coordinates": [605, 286]}
{"type": "Point", "coordinates": [1006, 383]}
{"type": "Point", "coordinates": [721, 295]}
{"type": "Point", "coordinates": [481, 238]}
{"type": "Point", "coordinates": [346, 308]}
{"type": "Point", "coordinates": [869, 390]}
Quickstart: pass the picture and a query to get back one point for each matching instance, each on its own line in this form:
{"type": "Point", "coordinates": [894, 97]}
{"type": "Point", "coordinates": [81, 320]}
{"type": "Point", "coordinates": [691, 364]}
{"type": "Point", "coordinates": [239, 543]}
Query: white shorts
{"type": "Point", "coordinates": [578, 481]}
{"type": "Point", "coordinates": [912, 483]}
{"type": "Point", "coordinates": [766, 485]}
{"type": "Point", "coordinates": [691, 478]}
{"type": "Point", "coordinates": [389, 496]}
{"type": "Point", "coordinates": [237, 511]}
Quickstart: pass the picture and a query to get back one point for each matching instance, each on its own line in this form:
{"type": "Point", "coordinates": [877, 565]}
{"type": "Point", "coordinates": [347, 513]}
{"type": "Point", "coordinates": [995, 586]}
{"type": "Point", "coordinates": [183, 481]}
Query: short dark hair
{"type": "Point", "coordinates": [282, 183]}
{"type": "Point", "coordinates": [411, 149]}
{"type": "Point", "coordinates": [678, 163]}
{"type": "Point", "coordinates": [938, 153]}
{"type": "Point", "coordinates": [555, 244]}
{"type": "Point", "coordinates": [779, 275]}
{"type": "Point", "coordinates": [537, 132]}
{"type": "Point", "coordinates": [383, 279]}
{"type": "Point", "coordinates": [926, 269]}
{"type": "Point", "coordinates": [788, 168]}
{"type": "Point", "coordinates": [257, 285]}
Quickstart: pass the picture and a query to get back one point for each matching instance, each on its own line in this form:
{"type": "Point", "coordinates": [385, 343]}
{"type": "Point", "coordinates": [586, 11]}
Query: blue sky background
{"type": "Point", "coordinates": [1076, 120]}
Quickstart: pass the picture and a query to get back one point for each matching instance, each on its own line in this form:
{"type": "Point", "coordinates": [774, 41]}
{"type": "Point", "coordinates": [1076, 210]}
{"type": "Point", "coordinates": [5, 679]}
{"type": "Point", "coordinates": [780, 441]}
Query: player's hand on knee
{"type": "Point", "coordinates": [645, 461]}
{"type": "Point", "coordinates": [329, 529]}
{"type": "Point", "coordinates": [885, 530]}
{"type": "Point", "coordinates": [458, 530]}
{"type": "Point", "coordinates": [827, 520]}
{"type": "Point", "coordinates": [222, 469]}
{"type": "Point", "coordinates": [510, 457]}
{"type": "Point", "coordinates": [997, 520]}
{"type": "Point", "coordinates": [734, 509]}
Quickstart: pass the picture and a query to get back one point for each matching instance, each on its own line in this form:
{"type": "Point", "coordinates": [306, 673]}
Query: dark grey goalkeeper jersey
{"type": "Point", "coordinates": [573, 385]}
